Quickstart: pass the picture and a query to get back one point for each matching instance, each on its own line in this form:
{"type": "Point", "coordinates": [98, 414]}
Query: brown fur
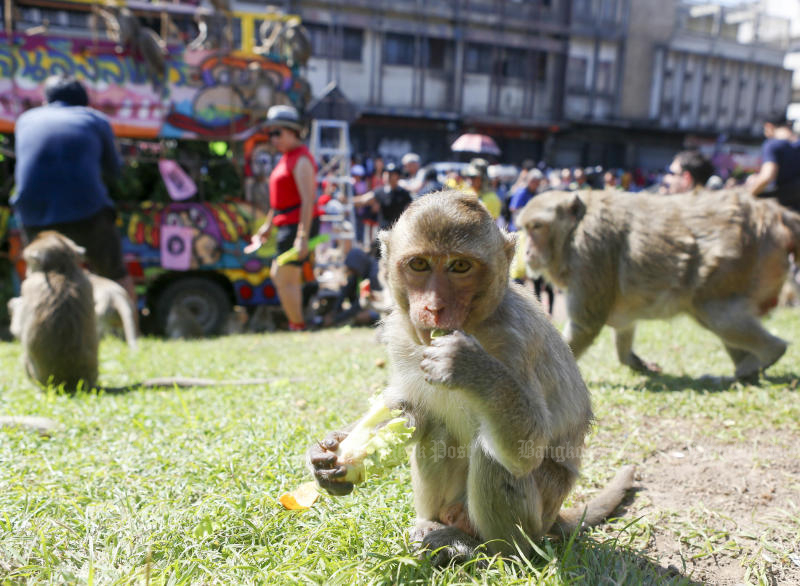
{"type": "Point", "coordinates": [721, 257]}
{"type": "Point", "coordinates": [499, 405]}
{"type": "Point", "coordinates": [55, 314]}
{"type": "Point", "coordinates": [113, 307]}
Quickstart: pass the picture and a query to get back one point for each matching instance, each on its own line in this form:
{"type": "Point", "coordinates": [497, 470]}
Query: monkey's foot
{"type": "Point", "coordinates": [748, 369]}
{"type": "Point", "coordinates": [421, 528]}
{"type": "Point", "coordinates": [778, 352]}
{"type": "Point", "coordinates": [447, 545]}
{"type": "Point", "coordinates": [639, 365]}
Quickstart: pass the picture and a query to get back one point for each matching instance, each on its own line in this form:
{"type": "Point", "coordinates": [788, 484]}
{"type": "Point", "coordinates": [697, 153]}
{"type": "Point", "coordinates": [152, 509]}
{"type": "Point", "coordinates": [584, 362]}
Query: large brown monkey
{"type": "Point", "coordinates": [721, 257]}
{"type": "Point", "coordinates": [54, 317]}
{"type": "Point", "coordinates": [499, 405]}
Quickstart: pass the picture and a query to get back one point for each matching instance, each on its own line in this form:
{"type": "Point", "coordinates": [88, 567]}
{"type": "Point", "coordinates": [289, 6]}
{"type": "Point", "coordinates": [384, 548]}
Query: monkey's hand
{"type": "Point", "coordinates": [453, 360]}
{"type": "Point", "coordinates": [326, 471]}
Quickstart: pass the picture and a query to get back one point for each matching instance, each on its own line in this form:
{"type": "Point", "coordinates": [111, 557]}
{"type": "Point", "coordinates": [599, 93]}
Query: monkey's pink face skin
{"type": "Point", "coordinates": [441, 290]}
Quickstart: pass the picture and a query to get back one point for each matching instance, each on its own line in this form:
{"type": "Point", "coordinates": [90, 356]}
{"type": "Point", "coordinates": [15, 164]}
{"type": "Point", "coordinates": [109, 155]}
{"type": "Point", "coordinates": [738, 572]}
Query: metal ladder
{"type": "Point", "coordinates": [330, 145]}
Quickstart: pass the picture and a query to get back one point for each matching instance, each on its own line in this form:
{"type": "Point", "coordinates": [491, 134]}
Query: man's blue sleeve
{"type": "Point", "coordinates": [111, 160]}
{"type": "Point", "coordinates": [769, 152]}
{"type": "Point", "coordinates": [517, 199]}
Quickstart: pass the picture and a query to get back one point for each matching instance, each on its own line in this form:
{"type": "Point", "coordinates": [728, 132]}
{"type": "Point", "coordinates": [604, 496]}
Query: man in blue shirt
{"type": "Point", "coordinates": [779, 176]}
{"type": "Point", "coordinates": [523, 195]}
{"type": "Point", "coordinates": [64, 150]}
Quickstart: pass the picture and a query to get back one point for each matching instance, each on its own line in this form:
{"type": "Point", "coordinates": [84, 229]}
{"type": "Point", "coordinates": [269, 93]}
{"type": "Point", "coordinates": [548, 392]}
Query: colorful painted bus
{"type": "Point", "coordinates": [214, 76]}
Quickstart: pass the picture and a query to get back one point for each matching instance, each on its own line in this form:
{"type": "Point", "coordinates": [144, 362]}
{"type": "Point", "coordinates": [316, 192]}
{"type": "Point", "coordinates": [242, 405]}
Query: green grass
{"type": "Point", "coordinates": [180, 486]}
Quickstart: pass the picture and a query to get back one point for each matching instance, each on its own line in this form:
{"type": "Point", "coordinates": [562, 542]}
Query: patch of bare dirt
{"type": "Point", "coordinates": [720, 508]}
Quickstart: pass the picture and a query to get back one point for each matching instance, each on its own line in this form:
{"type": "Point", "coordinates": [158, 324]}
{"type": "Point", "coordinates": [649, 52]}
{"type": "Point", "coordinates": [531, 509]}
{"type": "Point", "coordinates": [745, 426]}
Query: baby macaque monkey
{"type": "Point", "coordinates": [499, 406]}
{"type": "Point", "coordinates": [113, 306]}
{"type": "Point", "coordinates": [720, 256]}
{"type": "Point", "coordinates": [54, 316]}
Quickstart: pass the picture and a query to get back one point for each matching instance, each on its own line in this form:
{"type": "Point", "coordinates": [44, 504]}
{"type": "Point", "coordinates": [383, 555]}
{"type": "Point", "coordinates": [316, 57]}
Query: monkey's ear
{"type": "Point", "coordinates": [510, 246]}
{"type": "Point", "coordinates": [576, 207]}
{"type": "Point", "coordinates": [383, 241]}
{"type": "Point", "coordinates": [33, 258]}
{"type": "Point", "coordinates": [77, 249]}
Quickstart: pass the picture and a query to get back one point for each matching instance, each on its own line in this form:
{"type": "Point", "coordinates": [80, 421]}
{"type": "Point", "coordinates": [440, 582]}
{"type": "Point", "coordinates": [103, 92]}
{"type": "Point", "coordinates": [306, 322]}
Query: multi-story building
{"type": "Point", "coordinates": [574, 82]}
{"type": "Point", "coordinates": [615, 82]}
{"type": "Point", "coordinates": [421, 72]}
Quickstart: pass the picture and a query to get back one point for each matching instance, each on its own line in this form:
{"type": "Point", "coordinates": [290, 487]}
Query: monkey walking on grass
{"type": "Point", "coordinates": [499, 406]}
{"type": "Point", "coordinates": [722, 257]}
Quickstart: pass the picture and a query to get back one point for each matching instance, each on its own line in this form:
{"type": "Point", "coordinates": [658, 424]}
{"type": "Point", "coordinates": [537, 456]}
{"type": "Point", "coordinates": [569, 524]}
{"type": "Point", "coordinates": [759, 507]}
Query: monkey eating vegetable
{"type": "Point", "coordinates": [499, 407]}
{"type": "Point", "coordinates": [721, 257]}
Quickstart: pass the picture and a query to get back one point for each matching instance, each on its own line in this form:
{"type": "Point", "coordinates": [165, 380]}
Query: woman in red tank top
{"type": "Point", "coordinates": [292, 195]}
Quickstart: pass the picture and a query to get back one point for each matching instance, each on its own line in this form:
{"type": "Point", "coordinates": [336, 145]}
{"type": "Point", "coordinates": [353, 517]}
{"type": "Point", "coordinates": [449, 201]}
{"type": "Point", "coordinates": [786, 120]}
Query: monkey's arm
{"type": "Point", "coordinates": [329, 463]}
{"type": "Point", "coordinates": [588, 308]}
{"type": "Point", "coordinates": [515, 421]}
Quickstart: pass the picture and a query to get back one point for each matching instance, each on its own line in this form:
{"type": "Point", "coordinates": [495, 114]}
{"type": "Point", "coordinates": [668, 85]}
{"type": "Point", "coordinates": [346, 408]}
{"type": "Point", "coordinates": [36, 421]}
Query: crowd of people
{"type": "Point", "coordinates": [383, 190]}
{"type": "Point", "coordinates": [75, 145]}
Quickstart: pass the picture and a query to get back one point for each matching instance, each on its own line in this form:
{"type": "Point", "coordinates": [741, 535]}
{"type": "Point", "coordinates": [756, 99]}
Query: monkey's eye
{"type": "Point", "coordinates": [460, 266]}
{"type": "Point", "coordinates": [418, 264]}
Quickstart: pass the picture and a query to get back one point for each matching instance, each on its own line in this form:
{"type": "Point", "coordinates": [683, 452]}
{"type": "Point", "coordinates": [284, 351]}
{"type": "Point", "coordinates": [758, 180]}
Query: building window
{"type": "Point", "coordinates": [515, 64]}
{"type": "Point", "coordinates": [541, 67]}
{"type": "Point", "coordinates": [582, 8]}
{"type": "Point", "coordinates": [353, 44]}
{"type": "Point", "coordinates": [436, 53]}
{"type": "Point", "coordinates": [605, 77]}
{"type": "Point", "coordinates": [236, 32]}
{"type": "Point", "coordinates": [577, 69]}
{"type": "Point", "coordinates": [609, 10]}
{"type": "Point", "coordinates": [318, 33]}
{"type": "Point", "coordinates": [398, 49]}
{"type": "Point", "coordinates": [478, 58]}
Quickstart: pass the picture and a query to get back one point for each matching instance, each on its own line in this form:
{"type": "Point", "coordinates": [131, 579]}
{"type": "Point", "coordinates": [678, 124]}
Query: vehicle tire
{"type": "Point", "coordinates": [206, 300]}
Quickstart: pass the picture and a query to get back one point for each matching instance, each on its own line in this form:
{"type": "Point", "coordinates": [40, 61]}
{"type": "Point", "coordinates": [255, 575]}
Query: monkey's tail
{"type": "Point", "coordinates": [600, 507]}
{"type": "Point", "coordinates": [42, 425]}
{"type": "Point", "coordinates": [125, 309]}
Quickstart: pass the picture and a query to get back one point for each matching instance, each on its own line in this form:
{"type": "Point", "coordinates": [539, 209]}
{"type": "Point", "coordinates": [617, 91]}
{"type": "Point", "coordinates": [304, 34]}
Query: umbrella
{"type": "Point", "coordinates": [475, 143]}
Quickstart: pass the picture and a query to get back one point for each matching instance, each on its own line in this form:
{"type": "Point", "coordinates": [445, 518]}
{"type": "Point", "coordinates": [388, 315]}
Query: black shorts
{"type": "Point", "coordinates": [100, 237]}
{"type": "Point", "coordinates": [787, 195]}
{"type": "Point", "coordinates": [286, 235]}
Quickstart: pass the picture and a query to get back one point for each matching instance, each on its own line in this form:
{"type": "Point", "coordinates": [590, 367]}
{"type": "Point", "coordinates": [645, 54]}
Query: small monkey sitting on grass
{"type": "Point", "coordinates": [722, 257]}
{"type": "Point", "coordinates": [498, 404]}
{"type": "Point", "coordinates": [54, 316]}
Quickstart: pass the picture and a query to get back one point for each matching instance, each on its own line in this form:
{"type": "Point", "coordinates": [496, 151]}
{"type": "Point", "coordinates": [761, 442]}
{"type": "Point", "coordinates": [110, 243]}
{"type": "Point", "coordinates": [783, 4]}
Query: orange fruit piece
{"type": "Point", "coordinates": [301, 497]}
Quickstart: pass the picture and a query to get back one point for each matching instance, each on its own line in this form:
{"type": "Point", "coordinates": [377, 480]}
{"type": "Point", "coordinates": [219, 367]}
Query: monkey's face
{"type": "Point", "coordinates": [548, 220]}
{"type": "Point", "coordinates": [537, 244]}
{"type": "Point", "coordinates": [441, 291]}
{"type": "Point", "coordinates": [446, 263]}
